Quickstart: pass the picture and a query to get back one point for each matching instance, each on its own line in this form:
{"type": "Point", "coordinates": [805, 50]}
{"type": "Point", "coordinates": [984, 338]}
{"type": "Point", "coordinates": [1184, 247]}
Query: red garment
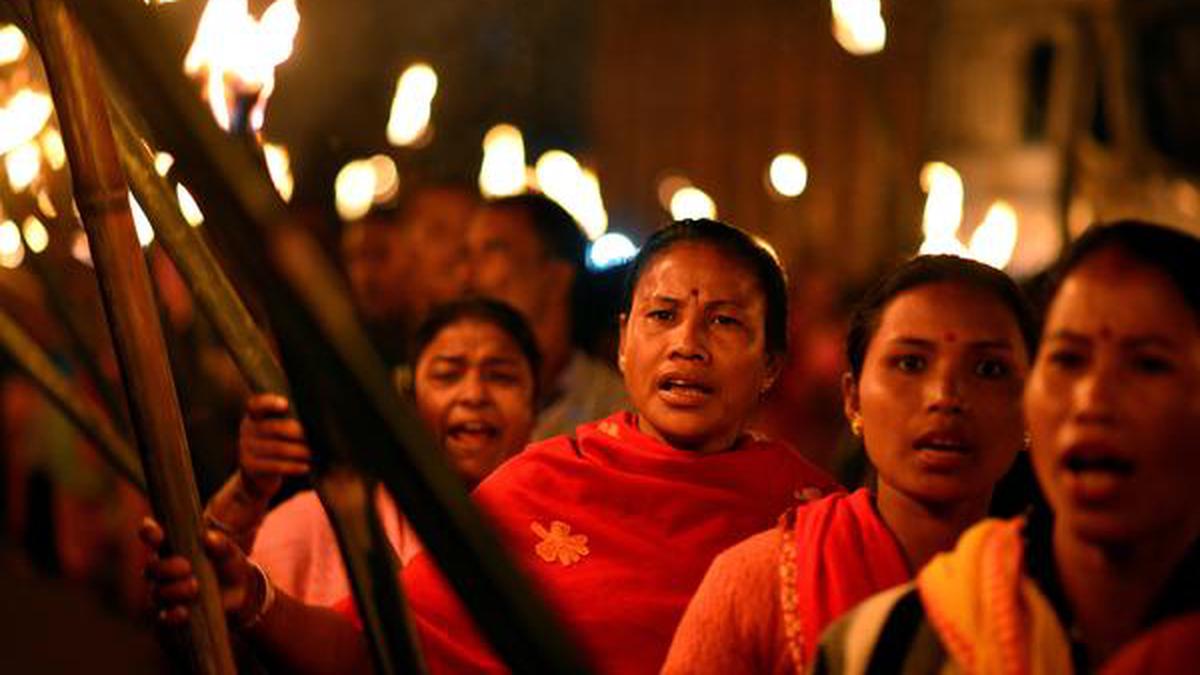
{"type": "Point", "coordinates": [617, 530]}
{"type": "Point", "coordinates": [840, 554]}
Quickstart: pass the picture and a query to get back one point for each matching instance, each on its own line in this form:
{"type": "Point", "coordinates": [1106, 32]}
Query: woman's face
{"type": "Point", "coordinates": [474, 390]}
{"type": "Point", "coordinates": [939, 395]}
{"type": "Point", "coordinates": [693, 349]}
{"type": "Point", "coordinates": [1113, 404]}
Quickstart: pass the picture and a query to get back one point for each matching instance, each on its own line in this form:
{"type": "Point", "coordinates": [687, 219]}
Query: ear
{"type": "Point", "coordinates": [850, 403]}
{"type": "Point", "coordinates": [774, 369]}
{"type": "Point", "coordinates": [623, 321]}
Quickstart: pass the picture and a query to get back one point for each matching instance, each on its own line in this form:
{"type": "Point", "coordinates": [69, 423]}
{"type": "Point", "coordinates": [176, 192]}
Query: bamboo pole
{"type": "Point", "coordinates": [124, 281]}
{"type": "Point", "coordinates": [364, 547]}
{"type": "Point", "coordinates": [88, 418]}
{"type": "Point", "coordinates": [342, 393]}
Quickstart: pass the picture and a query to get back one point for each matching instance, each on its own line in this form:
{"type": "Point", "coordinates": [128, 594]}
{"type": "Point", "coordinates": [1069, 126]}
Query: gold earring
{"type": "Point", "coordinates": [1026, 441]}
{"type": "Point", "coordinates": [856, 426]}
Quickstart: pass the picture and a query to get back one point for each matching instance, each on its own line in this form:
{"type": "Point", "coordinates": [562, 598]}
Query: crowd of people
{"type": "Point", "coordinates": [666, 534]}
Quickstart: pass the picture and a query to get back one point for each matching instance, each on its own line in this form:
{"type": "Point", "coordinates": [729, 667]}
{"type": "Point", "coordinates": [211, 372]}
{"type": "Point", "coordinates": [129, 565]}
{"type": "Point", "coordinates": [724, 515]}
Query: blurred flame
{"type": "Point", "coordinates": [409, 119]}
{"type": "Point", "coordinates": [858, 26]}
{"type": "Point", "coordinates": [387, 178]}
{"type": "Point", "coordinates": [188, 206]}
{"type": "Point", "coordinates": [163, 161]}
{"type": "Point", "coordinates": [279, 166]}
{"type": "Point", "coordinates": [141, 224]}
{"type": "Point", "coordinates": [12, 44]}
{"type": "Point", "coordinates": [12, 250]}
{"type": "Point", "coordinates": [80, 249]}
{"type": "Point", "coordinates": [503, 170]}
{"type": "Point", "coordinates": [22, 164]}
{"type": "Point", "coordinates": [237, 54]}
{"type": "Point", "coordinates": [788, 174]}
{"type": "Point", "coordinates": [37, 238]}
{"type": "Point", "coordinates": [994, 241]}
{"type": "Point", "coordinates": [46, 205]}
{"type": "Point", "coordinates": [943, 209]}
{"type": "Point", "coordinates": [668, 186]}
{"type": "Point", "coordinates": [560, 177]}
{"type": "Point", "coordinates": [25, 114]}
{"type": "Point", "coordinates": [52, 149]}
{"type": "Point", "coordinates": [354, 189]}
{"type": "Point", "coordinates": [692, 202]}
{"type": "Point", "coordinates": [611, 249]}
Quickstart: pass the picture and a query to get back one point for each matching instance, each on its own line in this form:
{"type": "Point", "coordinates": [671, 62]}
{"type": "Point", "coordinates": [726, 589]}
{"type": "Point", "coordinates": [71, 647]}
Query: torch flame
{"type": "Point", "coordinates": [12, 44]}
{"type": "Point", "coordinates": [994, 241]}
{"type": "Point", "coordinates": [22, 118]}
{"type": "Point", "coordinates": [237, 54]}
{"type": "Point", "coordinates": [943, 209]}
{"type": "Point", "coordinates": [409, 119]}
{"type": "Point", "coordinates": [560, 177]}
{"type": "Point", "coordinates": [503, 169]}
{"type": "Point", "coordinates": [858, 26]}
{"type": "Point", "coordinates": [692, 202]}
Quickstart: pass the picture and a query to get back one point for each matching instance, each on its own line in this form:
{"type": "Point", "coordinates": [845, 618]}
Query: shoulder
{"type": "Point", "coordinates": [294, 518]}
{"type": "Point", "coordinates": [886, 633]}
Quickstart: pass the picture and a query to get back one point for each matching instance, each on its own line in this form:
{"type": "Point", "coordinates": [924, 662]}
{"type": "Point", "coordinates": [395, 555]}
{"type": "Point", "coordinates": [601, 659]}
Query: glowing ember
{"type": "Point", "coordinates": [37, 238]}
{"type": "Point", "coordinates": [12, 44]}
{"type": "Point", "coordinates": [858, 26]}
{"type": "Point", "coordinates": [23, 164]}
{"type": "Point", "coordinates": [560, 177]}
{"type": "Point", "coordinates": [188, 207]}
{"type": "Point", "coordinates": [503, 170]}
{"type": "Point", "coordinates": [994, 241]}
{"type": "Point", "coordinates": [788, 175]}
{"type": "Point", "coordinates": [236, 54]}
{"type": "Point", "coordinates": [141, 224]}
{"type": "Point", "coordinates": [692, 202]}
{"type": "Point", "coordinates": [411, 105]}
{"type": "Point", "coordinates": [943, 209]}
{"type": "Point", "coordinates": [25, 114]}
{"type": "Point", "coordinates": [279, 165]}
{"type": "Point", "coordinates": [12, 250]}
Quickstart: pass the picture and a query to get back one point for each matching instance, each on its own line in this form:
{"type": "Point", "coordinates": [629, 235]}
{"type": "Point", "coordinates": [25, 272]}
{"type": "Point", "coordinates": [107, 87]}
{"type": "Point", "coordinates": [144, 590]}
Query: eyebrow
{"type": "Point", "coordinates": [924, 343]}
{"type": "Point", "coordinates": [723, 302]}
{"type": "Point", "coordinates": [1133, 341]}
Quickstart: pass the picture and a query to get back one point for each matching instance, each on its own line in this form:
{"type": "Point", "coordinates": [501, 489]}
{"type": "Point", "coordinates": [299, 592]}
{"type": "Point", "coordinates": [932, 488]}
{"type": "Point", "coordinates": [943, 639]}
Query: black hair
{"type": "Point", "coordinates": [554, 226]}
{"type": "Point", "coordinates": [735, 242]}
{"type": "Point", "coordinates": [932, 269]}
{"type": "Point", "coordinates": [486, 310]}
{"type": "Point", "coordinates": [1173, 252]}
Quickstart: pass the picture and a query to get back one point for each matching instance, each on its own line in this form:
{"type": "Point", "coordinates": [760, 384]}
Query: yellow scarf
{"type": "Point", "coordinates": [990, 618]}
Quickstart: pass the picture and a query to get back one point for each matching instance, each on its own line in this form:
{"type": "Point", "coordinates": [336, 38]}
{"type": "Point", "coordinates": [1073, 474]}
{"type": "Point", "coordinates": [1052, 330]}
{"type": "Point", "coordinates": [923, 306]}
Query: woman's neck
{"type": "Point", "coordinates": [925, 530]}
{"type": "Point", "coordinates": [1110, 588]}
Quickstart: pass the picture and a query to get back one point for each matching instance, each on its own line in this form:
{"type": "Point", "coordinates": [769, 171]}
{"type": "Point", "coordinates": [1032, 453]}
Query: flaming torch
{"type": "Point", "coordinates": [236, 55]}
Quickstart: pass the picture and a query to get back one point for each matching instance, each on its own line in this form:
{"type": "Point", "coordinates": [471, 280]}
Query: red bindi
{"type": "Point", "coordinates": [1106, 332]}
{"type": "Point", "coordinates": [950, 336]}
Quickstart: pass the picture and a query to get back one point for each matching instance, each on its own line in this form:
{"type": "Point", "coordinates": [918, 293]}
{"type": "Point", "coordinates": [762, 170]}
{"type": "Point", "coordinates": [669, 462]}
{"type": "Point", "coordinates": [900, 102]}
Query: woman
{"type": "Point", "coordinates": [474, 387]}
{"type": "Point", "coordinates": [616, 524]}
{"type": "Point", "coordinates": [938, 351]}
{"type": "Point", "coordinates": [1107, 580]}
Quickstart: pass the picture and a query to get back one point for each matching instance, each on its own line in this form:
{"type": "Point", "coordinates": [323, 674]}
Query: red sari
{"type": "Point", "coordinates": [616, 529]}
{"type": "Point", "coordinates": [837, 553]}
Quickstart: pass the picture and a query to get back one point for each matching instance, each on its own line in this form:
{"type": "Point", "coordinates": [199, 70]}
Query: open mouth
{"type": "Point", "coordinates": [684, 390]}
{"type": "Point", "coordinates": [471, 432]}
{"type": "Point", "coordinates": [1096, 474]}
{"type": "Point", "coordinates": [1079, 464]}
{"type": "Point", "coordinates": [943, 442]}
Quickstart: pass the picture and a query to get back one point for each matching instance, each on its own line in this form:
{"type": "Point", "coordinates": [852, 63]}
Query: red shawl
{"type": "Point", "coordinates": [839, 552]}
{"type": "Point", "coordinates": [616, 529]}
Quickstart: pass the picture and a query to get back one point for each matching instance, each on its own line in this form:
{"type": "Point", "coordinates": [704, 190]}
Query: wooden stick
{"type": "Point", "coordinates": [365, 550]}
{"type": "Point", "coordinates": [133, 321]}
{"type": "Point", "coordinates": [87, 416]}
{"type": "Point", "coordinates": [345, 400]}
